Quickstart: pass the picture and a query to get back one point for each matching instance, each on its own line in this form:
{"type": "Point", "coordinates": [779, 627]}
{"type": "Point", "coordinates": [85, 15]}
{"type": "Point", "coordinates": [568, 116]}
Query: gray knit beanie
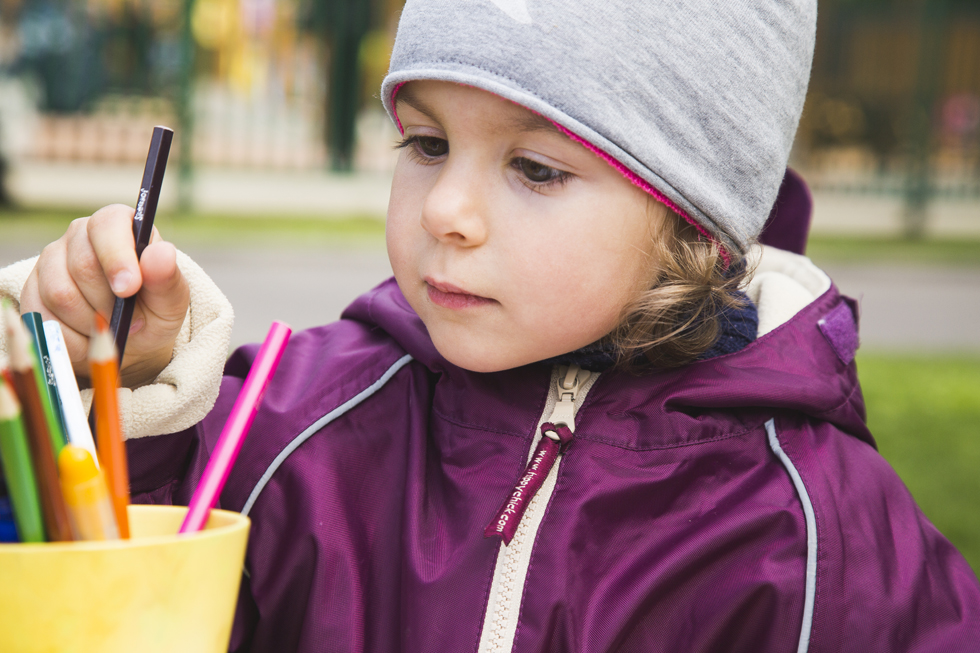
{"type": "Point", "coordinates": [696, 101]}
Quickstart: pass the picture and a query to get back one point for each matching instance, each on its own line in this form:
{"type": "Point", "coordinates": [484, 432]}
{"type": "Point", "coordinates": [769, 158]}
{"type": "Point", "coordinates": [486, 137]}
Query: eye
{"type": "Point", "coordinates": [424, 148]}
{"type": "Point", "coordinates": [540, 174]}
{"type": "Point", "coordinates": [431, 146]}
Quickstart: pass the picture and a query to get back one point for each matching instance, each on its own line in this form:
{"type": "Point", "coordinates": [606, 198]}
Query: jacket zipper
{"type": "Point", "coordinates": [520, 517]}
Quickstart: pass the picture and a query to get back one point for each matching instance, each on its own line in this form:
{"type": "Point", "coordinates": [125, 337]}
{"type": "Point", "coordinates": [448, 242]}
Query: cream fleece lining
{"type": "Point", "coordinates": [782, 285]}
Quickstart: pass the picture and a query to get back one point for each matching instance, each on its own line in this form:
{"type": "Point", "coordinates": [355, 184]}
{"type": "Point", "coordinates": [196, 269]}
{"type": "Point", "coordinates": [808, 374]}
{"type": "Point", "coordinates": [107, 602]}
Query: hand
{"type": "Point", "coordinates": [86, 269]}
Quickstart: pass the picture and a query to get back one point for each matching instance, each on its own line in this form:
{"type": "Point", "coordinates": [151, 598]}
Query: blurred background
{"type": "Point", "coordinates": [287, 90]}
{"type": "Point", "coordinates": [278, 180]}
{"type": "Point", "coordinates": [277, 86]}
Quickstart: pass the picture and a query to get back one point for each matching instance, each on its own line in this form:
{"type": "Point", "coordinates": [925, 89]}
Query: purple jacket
{"type": "Point", "coordinates": [736, 504]}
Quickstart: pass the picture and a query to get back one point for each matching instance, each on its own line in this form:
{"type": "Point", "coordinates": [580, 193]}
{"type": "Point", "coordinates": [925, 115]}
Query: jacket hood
{"type": "Point", "coordinates": [802, 361]}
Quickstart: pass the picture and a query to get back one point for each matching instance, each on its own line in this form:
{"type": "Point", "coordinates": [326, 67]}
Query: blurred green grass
{"type": "Point", "coordinates": [925, 414]}
{"type": "Point", "coordinates": [184, 229]}
{"type": "Point", "coordinates": [895, 250]}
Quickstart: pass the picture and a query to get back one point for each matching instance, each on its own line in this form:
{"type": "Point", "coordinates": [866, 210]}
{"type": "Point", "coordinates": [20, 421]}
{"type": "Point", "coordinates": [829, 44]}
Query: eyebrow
{"type": "Point", "coordinates": [405, 95]}
{"type": "Point", "coordinates": [533, 122]}
{"type": "Point", "coordinates": [527, 122]}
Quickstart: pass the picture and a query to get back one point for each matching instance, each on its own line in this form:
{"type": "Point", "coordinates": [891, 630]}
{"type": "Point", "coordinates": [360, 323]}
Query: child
{"type": "Point", "coordinates": [562, 426]}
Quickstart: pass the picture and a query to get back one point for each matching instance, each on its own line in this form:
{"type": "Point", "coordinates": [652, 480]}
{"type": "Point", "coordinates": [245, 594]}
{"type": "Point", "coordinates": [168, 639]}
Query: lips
{"type": "Point", "coordinates": [453, 297]}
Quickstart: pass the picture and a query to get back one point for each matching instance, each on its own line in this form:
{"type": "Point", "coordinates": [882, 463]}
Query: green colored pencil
{"type": "Point", "coordinates": [15, 456]}
{"type": "Point", "coordinates": [47, 386]}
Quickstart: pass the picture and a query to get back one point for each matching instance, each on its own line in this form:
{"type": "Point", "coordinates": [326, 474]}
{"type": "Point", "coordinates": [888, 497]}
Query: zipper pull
{"type": "Point", "coordinates": [557, 434]}
{"type": "Point", "coordinates": [568, 386]}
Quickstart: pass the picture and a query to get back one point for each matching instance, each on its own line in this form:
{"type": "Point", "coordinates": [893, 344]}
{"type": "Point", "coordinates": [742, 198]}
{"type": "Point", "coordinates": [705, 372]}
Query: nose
{"type": "Point", "coordinates": [454, 211]}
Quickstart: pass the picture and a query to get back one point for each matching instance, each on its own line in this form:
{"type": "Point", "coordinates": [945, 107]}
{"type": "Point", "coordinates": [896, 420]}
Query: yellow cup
{"type": "Point", "coordinates": [155, 592]}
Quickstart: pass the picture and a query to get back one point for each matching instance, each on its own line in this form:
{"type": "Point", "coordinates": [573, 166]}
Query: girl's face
{"type": "Point", "coordinates": [512, 242]}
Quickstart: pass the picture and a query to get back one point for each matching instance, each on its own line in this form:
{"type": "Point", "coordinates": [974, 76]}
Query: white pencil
{"type": "Point", "coordinates": [76, 423]}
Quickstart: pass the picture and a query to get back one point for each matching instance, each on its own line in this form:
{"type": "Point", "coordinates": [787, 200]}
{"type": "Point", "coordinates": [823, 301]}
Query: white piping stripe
{"type": "Point", "coordinates": [811, 537]}
{"type": "Point", "coordinates": [319, 424]}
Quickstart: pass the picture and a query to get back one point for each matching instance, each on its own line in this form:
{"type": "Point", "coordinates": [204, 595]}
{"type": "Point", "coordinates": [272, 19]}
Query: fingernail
{"type": "Point", "coordinates": [120, 282]}
{"type": "Point", "coordinates": [136, 325]}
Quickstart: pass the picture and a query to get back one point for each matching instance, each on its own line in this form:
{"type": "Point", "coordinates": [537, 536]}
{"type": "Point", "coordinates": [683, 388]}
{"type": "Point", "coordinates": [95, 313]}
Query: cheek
{"type": "Point", "coordinates": [559, 305]}
{"type": "Point", "coordinates": [600, 306]}
{"type": "Point", "coordinates": [397, 252]}
{"type": "Point", "coordinates": [618, 267]}
{"type": "Point", "coordinates": [403, 254]}
{"type": "Point", "coordinates": [404, 209]}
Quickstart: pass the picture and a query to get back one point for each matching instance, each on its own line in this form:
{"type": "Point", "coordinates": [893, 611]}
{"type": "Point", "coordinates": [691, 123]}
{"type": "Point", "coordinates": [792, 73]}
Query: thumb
{"type": "Point", "coordinates": [161, 305]}
{"type": "Point", "coordinates": [164, 295]}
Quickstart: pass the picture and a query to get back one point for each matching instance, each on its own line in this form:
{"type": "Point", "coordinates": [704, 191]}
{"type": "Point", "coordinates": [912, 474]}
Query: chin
{"type": "Point", "coordinates": [478, 359]}
{"type": "Point", "coordinates": [484, 364]}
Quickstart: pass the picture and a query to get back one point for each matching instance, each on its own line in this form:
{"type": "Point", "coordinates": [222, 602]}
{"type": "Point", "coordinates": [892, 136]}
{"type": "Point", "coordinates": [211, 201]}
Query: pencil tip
{"type": "Point", "coordinates": [9, 314]}
{"type": "Point", "coordinates": [101, 347]}
{"type": "Point", "coordinates": [17, 339]}
{"type": "Point", "coordinates": [9, 406]}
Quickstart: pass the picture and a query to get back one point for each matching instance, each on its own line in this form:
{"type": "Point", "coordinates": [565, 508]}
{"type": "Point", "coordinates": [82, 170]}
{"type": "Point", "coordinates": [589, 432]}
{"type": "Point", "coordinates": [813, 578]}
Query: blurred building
{"type": "Point", "coordinates": [894, 101]}
{"type": "Point", "coordinates": [250, 79]}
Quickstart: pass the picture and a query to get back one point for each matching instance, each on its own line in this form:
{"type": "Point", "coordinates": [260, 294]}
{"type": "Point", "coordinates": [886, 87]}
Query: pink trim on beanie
{"type": "Point", "coordinates": [643, 185]}
{"type": "Point", "coordinates": [635, 179]}
{"type": "Point", "coordinates": [394, 111]}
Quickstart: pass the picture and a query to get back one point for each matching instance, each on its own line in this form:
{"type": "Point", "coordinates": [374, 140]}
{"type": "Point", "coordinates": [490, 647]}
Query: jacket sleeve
{"type": "Point", "coordinates": [884, 578]}
{"type": "Point", "coordinates": [186, 389]}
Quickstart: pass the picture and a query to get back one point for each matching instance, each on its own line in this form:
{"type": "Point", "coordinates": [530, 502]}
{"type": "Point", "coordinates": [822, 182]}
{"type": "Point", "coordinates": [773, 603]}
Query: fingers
{"type": "Point", "coordinates": [110, 232]}
{"type": "Point", "coordinates": [58, 297]}
{"type": "Point", "coordinates": [76, 273]}
{"type": "Point", "coordinates": [30, 300]}
{"type": "Point", "coordinates": [67, 282]}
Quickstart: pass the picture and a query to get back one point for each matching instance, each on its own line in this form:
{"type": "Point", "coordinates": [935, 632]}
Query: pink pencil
{"type": "Point", "coordinates": [233, 434]}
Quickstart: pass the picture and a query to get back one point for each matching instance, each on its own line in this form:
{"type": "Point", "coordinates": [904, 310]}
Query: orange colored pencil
{"type": "Point", "coordinates": [102, 359]}
{"type": "Point", "coordinates": [54, 512]}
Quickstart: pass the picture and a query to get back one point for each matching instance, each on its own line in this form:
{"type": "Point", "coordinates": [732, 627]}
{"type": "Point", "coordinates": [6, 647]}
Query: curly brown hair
{"type": "Point", "coordinates": [677, 319]}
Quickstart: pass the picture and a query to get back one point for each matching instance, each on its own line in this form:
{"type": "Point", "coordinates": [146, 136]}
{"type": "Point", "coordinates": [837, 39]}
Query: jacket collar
{"type": "Point", "coordinates": [791, 366]}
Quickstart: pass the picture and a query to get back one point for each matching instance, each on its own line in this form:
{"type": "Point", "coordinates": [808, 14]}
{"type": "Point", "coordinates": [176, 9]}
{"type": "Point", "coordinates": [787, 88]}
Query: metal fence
{"type": "Point", "coordinates": [894, 102]}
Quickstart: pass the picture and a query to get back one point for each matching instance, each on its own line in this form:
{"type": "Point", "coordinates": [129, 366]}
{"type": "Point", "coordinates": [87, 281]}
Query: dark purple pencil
{"type": "Point", "coordinates": [146, 210]}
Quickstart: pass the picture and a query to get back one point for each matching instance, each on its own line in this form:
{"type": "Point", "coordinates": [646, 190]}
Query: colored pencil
{"type": "Point", "coordinates": [146, 209]}
{"type": "Point", "coordinates": [70, 400]}
{"type": "Point", "coordinates": [53, 510]}
{"type": "Point", "coordinates": [233, 434]}
{"type": "Point", "coordinates": [15, 456]}
{"type": "Point", "coordinates": [86, 494]}
{"type": "Point", "coordinates": [47, 385]}
{"type": "Point", "coordinates": [104, 368]}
